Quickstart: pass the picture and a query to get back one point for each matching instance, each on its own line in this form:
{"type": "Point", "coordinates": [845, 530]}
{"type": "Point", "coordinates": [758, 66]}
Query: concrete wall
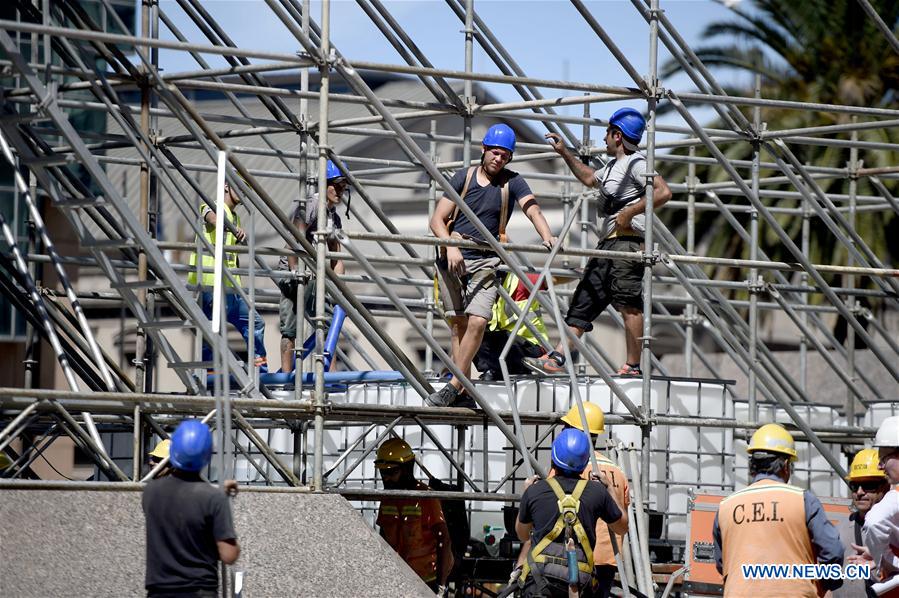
{"type": "Point", "coordinates": [91, 543]}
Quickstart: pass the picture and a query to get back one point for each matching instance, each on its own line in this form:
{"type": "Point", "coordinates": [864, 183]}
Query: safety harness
{"type": "Point", "coordinates": [547, 561]}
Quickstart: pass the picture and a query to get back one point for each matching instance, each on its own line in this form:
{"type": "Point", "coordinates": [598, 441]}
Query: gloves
{"type": "Point", "coordinates": [442, 591]}
{"type": "Point", "coordinates": [516, 573]}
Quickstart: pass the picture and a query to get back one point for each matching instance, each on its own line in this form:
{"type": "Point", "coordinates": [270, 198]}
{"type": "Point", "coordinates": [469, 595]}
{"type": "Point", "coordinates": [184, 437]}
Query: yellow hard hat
{"type": "Point", "coordinates": [772, 438]}
{"type": "Point", "coordinates": [162, 449]}
{"type": "Point", "coordinates": [595, 418]}
{"type": "Point", "coordinates": [864, 465]}
{"type": "Point", "coordinates": [393, 452]}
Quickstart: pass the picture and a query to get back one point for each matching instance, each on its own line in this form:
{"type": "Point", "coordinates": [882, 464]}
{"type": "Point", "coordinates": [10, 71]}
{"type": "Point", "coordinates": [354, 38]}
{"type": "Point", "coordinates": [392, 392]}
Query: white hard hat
{"type": "Point", "coordinates": [888, 433]}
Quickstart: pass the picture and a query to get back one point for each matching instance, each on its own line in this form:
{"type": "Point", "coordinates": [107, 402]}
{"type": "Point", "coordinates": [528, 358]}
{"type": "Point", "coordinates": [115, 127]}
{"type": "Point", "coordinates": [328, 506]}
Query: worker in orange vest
{"type": "Point", "coordinates": [604, 565]}
{"type": "Point", "coordinates": [414, 527]}
{"type": "Point", "coordinates": [881, 530]}
{"type": "Point", "coordinates": [772, 522]}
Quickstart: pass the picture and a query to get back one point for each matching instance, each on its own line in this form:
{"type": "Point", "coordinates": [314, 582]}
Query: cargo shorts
{"type": "Point", "coordinates": [616, 282]}
{"type": "Point", "coordinates": [472, 294]}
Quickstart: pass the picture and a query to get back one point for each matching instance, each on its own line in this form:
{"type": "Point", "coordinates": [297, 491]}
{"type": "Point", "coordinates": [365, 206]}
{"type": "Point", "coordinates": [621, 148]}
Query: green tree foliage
{"type": "Point", "coordinates": [824, 51]}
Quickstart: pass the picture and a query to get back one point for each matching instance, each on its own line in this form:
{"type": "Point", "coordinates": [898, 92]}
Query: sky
{"type": "Point", "coordinates": [547, 38]}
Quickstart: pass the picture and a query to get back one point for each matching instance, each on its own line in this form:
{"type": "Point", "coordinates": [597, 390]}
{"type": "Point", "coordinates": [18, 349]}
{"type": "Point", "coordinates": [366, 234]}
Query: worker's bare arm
{"type": "Point", "coordinates": [229, 551]}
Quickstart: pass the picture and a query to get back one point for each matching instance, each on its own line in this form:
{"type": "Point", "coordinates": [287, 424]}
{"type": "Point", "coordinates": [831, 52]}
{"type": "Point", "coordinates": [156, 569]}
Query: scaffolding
{"type": "Point", "coordinates": [58, 59]}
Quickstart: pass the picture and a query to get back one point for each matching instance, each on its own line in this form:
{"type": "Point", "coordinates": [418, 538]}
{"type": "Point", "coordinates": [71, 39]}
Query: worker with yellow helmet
{"type": "Point", "coordinates": [156, 456]}
{"type": "Point", "coordinates": [771, 521]}
{"type": "Point", "coordinates": [868, 485]}
{"type": "Point", "coordinates": [604, 564]}
{"type": "Point", "coordinates": [414, 527]}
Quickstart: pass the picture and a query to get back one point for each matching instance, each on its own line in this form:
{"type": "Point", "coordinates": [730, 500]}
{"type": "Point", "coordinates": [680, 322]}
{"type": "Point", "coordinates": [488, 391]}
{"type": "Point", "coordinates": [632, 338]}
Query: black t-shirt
{"type": "Point", "coordinates": [540, 506]}
{"type": "Point", "coordinates": [185, 517]}
{"type": "Point", "coordinates": [486, 203]}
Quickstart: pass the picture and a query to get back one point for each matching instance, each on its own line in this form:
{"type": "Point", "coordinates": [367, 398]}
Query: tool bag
{"type": "Point", "coordinates": [547, 562]}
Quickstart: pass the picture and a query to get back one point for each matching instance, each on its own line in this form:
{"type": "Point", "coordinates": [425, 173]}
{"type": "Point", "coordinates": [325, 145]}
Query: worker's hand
{"type": "Point", "coordinates": [455, 263]}
{"type": "Point", "coordinates": [862, 557]}
{"type": "Point", "coordinates": [529, 481]}
{"type": "Point", "coordinates": [600, 477]}
{"type": "Point", "coordinates": [555, 141]}
{"type": "Point", "coordinates": [516, 573]}
{"type": "Point", "coordinates": [550, 243]}
{"type": "Point", "coordinates": [230, 487]}
{"type": "Point", "coordinates": [241, 236]}
{"type": "Point", "coordinates": [442, 591]}
{"type": "Point", "coordinates": [624, 217]}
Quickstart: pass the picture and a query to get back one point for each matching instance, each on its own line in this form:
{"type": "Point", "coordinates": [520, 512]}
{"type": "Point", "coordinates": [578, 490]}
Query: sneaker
{"type": "Point", "coordinates": [544, 366]}
{"type": "Point", "coordinates": [444, 397]}
{"type": "Point", "coordinates": [629, 370]}
{"type": "Point", "coordinates": [491, 376]}
{"type": "Point", "coordinates": [464, 401]}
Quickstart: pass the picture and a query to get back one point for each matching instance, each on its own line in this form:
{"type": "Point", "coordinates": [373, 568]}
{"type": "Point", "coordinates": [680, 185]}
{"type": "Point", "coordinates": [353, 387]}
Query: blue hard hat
{"type": "Point", "coordinates": [630, 122]}
{"type": "Point", "coordinates": [331, 171]}
{"type": "Point", "coordinates": [571, 451]}
{"type": "Point", "coordinates": [191, 446]}
{"type": "Point", "coordinates": [500, 135]}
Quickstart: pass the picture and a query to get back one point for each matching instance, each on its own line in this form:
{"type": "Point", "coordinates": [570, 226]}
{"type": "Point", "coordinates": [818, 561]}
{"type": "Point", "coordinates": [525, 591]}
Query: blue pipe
{"type": "Point", "coordinates": [333, 334]}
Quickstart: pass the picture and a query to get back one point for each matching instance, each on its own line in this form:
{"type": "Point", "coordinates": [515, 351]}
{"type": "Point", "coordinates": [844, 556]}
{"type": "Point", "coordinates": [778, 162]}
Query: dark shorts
{"type": "Point", "coordinates": [287, 306]}
{"type": "Point", "coordinates": [605, 282]}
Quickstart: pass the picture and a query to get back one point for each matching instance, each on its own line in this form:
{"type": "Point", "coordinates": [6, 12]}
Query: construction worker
{"type": "Point", "coordinates": [622, 203]}
{"type": "Point", "coordinates": [881, 528]}
{"type": "Point", "coordinates": [467, 277]}
{"type": "Point", "coordinates": [188, 521]}
{"type": "Point", "coordinates": [159, 453]}
{"type": "Point", "coordinates": [304, 217]}
{"type": "Point", "coordinates": [501, 324]}
{"type": "Point", "coordinates": [604, 562]}
{"type": "Point", "coordinates": [414, 527]}
{"type": "Point", "coordinates": [868, 485]}
{"type": "Point", "coordinates": [771, 522]}
{"type": "Point", "coordinates": [560, 514]}
{"type": "Point", "coordinates": [237, 312]}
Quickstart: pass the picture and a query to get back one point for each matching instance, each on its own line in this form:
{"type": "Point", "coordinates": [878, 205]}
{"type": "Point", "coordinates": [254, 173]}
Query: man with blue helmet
{"type": "Point", "coordinates": [562, 507]}
{"type": "Point", "coordinates": [621, 204]}
{"type": "Point", "coordinates": [467, 278]}
{"type": "Point", "coordinates": [188, 521]}
{"type": "Point", "coordinates": [304, 216]}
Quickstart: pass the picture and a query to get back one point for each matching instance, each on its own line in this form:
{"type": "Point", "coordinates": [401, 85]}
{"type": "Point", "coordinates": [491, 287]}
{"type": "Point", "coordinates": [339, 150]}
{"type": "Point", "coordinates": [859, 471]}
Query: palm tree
{"type": "Point", "coordinates": [825, 51]}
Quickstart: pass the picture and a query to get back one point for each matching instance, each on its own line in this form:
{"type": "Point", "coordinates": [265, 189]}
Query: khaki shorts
{"type": "Point", "coordinates": [473, 294]}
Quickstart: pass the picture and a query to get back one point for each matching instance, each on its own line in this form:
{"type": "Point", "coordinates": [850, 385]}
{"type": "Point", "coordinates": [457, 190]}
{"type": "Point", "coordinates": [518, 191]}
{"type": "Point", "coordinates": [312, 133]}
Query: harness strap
{"type": "Point", "coordinates": [468, 177]}
{"type": "Point", "coordinates": [536, 554]}
{"type": "Point", "coordinates": [503, 212]}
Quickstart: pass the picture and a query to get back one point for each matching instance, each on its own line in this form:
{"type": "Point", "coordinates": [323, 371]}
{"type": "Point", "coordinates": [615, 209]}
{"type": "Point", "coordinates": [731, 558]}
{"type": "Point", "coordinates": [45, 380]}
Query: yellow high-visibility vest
{"type": "Point", "coordinates": [504, 319]}
{"type": "Point", "coordinates": [209, 259]}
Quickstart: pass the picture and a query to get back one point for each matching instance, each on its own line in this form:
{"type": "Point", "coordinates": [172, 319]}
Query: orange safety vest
{"type": "Point", "coordinates": [620, 491]}
{"type": "Point", "coordinates": [408, 526]}
{"type": "Point", "coordinates": [765, 523]}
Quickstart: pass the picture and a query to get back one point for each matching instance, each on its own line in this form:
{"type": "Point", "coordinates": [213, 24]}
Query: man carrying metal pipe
{"type": "Point", "coordinates": [304, 217]}
{"type": "Point", "coordinates": [236, 309]}
{"type": "Point", "coordinates": [622, 202]}
{"type": "Point", "coordinates": [467, 278]}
